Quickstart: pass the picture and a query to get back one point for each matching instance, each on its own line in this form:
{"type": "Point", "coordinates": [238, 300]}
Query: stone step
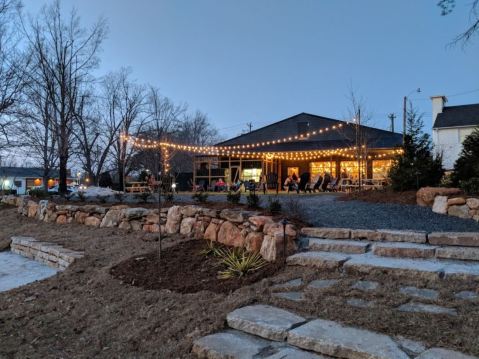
{"type": "Point", "coordinates": [461, 253]}
{"type": "Point", "coordinates": [440, 353]}
{"type": "Point", "coordinates": [467, 239]}
{"type": "Point", "coordinates": [408, 250]}
{"type": "Point", "coordinates": [234, 344]}
{"type": "Point", "coordinates": [331, 338]}
{"type": "Point", "coordinates": [264, 321]}
{"type": "Point", "coordinates": [323, 260]}
{"type": "Point", "coordinates": [338, 245]}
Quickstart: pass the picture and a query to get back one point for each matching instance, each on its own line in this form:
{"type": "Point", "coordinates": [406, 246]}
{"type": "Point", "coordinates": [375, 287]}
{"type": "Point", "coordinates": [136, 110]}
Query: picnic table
{"type": "Point", "coordinates": [137, 187]}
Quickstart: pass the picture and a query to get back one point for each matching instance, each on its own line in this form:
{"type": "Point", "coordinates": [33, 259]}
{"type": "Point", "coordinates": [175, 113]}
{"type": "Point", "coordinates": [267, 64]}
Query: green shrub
{"type": "Point", "coordinates": [38, 193]}
{"type": "Point", "coordinates": [446, 180]}
{"type": "Point", "coordinates": [211, 249]}
{"type": "Point", "coordinates": [233, 197]}
{"type": "Point", "coordinates": [471, 186]}
{"type": "Point", "coordinates": [466, 167]}
{"type": "Point", "coordinates": [253, 200]}
{"type": "Point", "coordinates": [239, 262]}
{"type": "Point", "coordinates": [274, 206]}
{"type": "Point", "coordinates": [200, 196]}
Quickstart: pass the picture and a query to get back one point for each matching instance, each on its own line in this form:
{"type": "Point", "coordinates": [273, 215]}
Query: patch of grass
{"type": "Point", "coordinates": [239, 262]}
{"type": "Point", "coordinates": [233, 197]}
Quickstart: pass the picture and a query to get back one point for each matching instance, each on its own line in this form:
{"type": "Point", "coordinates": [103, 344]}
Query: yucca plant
{"type": "Point", "coordinates": [211, 249]}
{"type": "Point", "coordinates": [239, 262]}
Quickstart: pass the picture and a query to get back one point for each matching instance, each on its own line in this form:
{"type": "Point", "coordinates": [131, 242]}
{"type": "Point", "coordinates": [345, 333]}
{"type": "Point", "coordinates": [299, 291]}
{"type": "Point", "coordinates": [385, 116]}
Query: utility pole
{"type": "Point", "coordinates": [404, 119]}
{"type": "Point", "coordinates": [392, 117]}
{"type": "Point", "coordinates": [358, 144]}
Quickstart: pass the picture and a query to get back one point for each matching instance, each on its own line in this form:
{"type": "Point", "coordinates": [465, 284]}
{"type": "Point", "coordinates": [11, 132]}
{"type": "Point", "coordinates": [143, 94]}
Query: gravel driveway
{"type": "Point", "coordinates": [325, 210]}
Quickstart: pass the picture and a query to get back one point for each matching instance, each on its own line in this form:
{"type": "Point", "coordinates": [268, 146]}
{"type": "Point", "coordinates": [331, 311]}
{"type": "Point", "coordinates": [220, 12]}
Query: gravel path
{"type": "Point", "coordinates": [325, 210]}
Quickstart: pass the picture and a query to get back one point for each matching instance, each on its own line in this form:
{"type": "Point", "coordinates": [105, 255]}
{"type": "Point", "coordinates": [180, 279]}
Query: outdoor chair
{"type": "Point", "coordinates": [271, 182]}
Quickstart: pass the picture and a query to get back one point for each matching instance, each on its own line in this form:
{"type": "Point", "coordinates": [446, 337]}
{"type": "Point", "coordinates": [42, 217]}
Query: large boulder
{"type": "Point", "coordinates": [190, 210]}
{"type": "Point", "coordinates": [457, 201]}
{"type": "Point", "coordinates": [92, 221]}
{"type": "Point", "coordinates": [440, 205]}
{"type": "Point", "coordinates": [230, 235]}
{"type": "Point", "coordinates": [272, 248]}
{"type": "Point", "coordinates": [473, 203]}
{"type": "Point", "coordinates": [260, 221]}
{"type": "Point", "coordinates": [112, 218]}
{"type": "Point", "coordinates": [254, 240]}
{"type": "Point", "coordinates": [32, 209]}
{"type": "Point", "coordinates": [200, 228]}
{"type": "Point", "coordinates": [5, 244]}
{"type": "Point", "coordinates": [42, 209]}
{"type": "Point", "coordinates": [211, 232]}
{"type": "Point", "coordinates": [231, 215]}
{"type": "Point", "coordinates": [187, 225]}
{"type": "Point", "coordinates": [173, 220]}
{"type": "Point", "coordinates": [459, 211]}
{"type": "Point", "coordinates": [135, 213]}
{"type": "Point", "coordinates": [425, 196]}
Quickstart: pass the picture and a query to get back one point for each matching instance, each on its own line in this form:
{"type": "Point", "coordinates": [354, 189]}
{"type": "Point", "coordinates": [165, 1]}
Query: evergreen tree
{"type": "Point", "coordinates": [416, 167]}
{"type": "Point", "coordinates": [466, 167]}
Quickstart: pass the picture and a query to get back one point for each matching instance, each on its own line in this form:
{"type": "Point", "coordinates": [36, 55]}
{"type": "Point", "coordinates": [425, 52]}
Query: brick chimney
{"type": "Point", "coordinates": [438, 103]}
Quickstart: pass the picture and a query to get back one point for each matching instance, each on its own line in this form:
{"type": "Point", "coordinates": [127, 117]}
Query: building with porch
{"type": "Point", "coordinates": [21, 179]}
{"type": "Point", "coordinates": [299, 144]}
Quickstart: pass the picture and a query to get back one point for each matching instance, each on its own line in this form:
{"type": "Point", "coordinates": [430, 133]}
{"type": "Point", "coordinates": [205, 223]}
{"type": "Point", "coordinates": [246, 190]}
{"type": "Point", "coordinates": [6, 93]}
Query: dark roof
{"type": "Point", "coordinates": [453, 116]}
{"type": "Point", "coordinates": [25, 172]}
{"type": "Point", "coordinates": [332, 139]}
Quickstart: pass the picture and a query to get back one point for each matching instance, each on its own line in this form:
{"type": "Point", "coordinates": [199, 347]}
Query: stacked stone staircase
{"type": "Point", "coordinates": [429, 256]}
{"type": "Point", "coordinates": [263, 331]}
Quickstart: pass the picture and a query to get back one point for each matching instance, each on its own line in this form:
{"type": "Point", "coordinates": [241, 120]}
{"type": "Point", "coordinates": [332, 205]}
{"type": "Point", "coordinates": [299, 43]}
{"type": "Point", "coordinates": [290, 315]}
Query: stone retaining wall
{"type": "Point", "coordinates": [449, 201]}
{"type": "Point", "coordinates": [237, 228]}
{"type": "Point", "coordinates": [51, 254]}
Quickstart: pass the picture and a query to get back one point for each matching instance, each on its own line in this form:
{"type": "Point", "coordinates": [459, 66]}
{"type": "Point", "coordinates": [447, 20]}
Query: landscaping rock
{"type": "Point", "coordinates": [135, 213]}
{"type": "Point", "coordinates": [232, 215]}
{"type": "Point", "coordinates": [467, 295]}
{"type": "Point", "coordinates": [287, 352]}
{"type": "Point", "coordinates": [292, 284]}
{"type": "Point", "coordinates": [473, 203]}
{"type": "Point", "coordinates": [80, 217]}
{"type": "Point", "coordinates": [401, 250]}
{"type": "Point", "coordinates": [230, 235]}
{"type": "Point", "coordinates": [426, 308]}
{"type": "Point", "coordinates": [92, 221]}
{"type": "Point", "coordinates": [125, 225]}
{"type": "Point", "coordinates": [32, 209]}
{"type": "Point", "coordinates": [321, 232]}
{"type": "Point", "coordinates": [462, 253]}
{"type": "Point", "coordinates": [61, 219]}
{"type": "Point", "coordinates": [456, 201]}
{"type": "Point", "coordinates": [403, 236]}
{"type": "Point", "coordinates": [459, 211]}
{"type": "Point", "coordinates": [440, 205]}
{"type": "Point", "coordinates": [152, 217]}
{"type": "Point", "coordinates": [264, 320]}
{"type": "Point", "coordinates": [409, 346]}
{"type": "Point", "coordinates": [5, 244]}
{"type": "Point", "coordinates": [173, 220]}
{"type": "Point", "coordinates": [254, 240]}
{"type": "Point", "coordinates": [368, 234]}
{"type": "Point", "coordinates": [213, 213]}
{"type": "Point", "coordinates": [422, 293]}
{"type": "Point", "coordinates": [229, 344]}
{"type": "Point", "coordinates": [323, 260]}
{"type": "Point", "coordinates": [425, 196]}
{"type": "Point", "coordinates": [42, 209]}
{"type": "Point", "coordinates": [211, 233]}
{"type": "Point", "coordinates": [272, 248]}
{"type": "Point", "coordinates": [322, 283]}
{"type": "Point", "coordinates": [151, 228]}
{"type": "Point", "coordinates": [293, 296]}
{"type": "Point", "coordinates": [365, 285]}
{"type": "Point", "coordinates": [468, 239]}
{"type": "Point", "coordinates": [190, 210]}
{"type": "Point", "coordinates": [360, 303]}
{"type": "Point", "coordinates": [439, 353]}
{"type": "Point", "coordinates": [112, 218]}
{"type": "Point", "coordinates": [187, 226]}
{"type": "Point", "coordinates": [334, 245]}
{"type": "Point", "coordinates": [260, 221]}
{"type": "Point", "coordinates": [331, 338]}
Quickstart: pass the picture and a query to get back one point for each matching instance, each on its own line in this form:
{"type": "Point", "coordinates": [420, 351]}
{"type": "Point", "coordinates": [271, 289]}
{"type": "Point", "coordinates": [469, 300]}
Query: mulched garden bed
{"type": "Point", "coordinates": [184, 269]}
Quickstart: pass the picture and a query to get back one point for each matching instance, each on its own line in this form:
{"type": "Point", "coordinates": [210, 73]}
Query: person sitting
{"type": "Point", "coordinates": [235, 187]}
{"type": "Point", "coordinates": [220, 185]}
{"type": "Point", "coordinates": [317, 183]}
{"type": "Point", "coordinates": [304, 182]}
{"type": "Point", "coordinates": [294, 177]}
{"type": "Point", "coordinates": [290, 184]}
{"type": "Point", "coordinates": [326, 181]}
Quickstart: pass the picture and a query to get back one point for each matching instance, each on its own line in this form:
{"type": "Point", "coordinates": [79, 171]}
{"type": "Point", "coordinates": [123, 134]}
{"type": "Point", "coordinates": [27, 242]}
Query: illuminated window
{"type": "Point", "coordinates": [381, 168]}
{"type": "Point", "coordinates": [37, 182]}
{"type": "Point", "coordinates": [318, 168]}
{"type": "Point", "coordinates": [251, 174]}
{"type": "Point", "coordinates": [351, 168]}
{"type": "Point", "coordinates": [51, 183]}
{"type": "Point", "coordinates": [293, 170]}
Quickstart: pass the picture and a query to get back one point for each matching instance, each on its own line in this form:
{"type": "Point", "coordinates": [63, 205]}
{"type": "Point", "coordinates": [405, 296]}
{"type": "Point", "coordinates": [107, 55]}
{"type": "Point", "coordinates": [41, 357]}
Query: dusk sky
{"type": "Point", "coordinates": [261, 61]}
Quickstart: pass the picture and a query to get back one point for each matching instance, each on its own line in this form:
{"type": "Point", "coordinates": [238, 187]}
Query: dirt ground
{"type": "Point", "coordinates": [83, 312]}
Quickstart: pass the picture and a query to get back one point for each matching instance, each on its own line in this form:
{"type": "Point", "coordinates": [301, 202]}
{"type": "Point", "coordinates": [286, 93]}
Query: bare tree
{"type": "Point", "coordinates": [64, 54]}
{"type": "Point", "coordinates": [12, 65]}
{"type": "Point", "coordinates": [125, 100]}
{"type": "Point", "coordinates": [447, 6]}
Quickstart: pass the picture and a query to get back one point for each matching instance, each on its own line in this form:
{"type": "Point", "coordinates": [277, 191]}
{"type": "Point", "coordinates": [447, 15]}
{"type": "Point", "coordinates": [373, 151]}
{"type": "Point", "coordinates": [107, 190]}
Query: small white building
{"type": "Point", "coordinates": [21, 179]}
{"type": "Point", "coordinates": [451, 125]}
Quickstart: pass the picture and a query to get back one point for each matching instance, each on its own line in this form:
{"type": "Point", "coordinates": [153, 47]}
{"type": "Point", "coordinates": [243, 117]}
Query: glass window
{"type": "Point", "coordinates": [381, 168]}
{"type": "Point", "coordinates": [251, 174]}
{"type": "Point", "coordinates": [351, 168]}
{"type": "Point", "coordinates": [318, 168]}
{"type": "Point", "coordinates": [293, 170]}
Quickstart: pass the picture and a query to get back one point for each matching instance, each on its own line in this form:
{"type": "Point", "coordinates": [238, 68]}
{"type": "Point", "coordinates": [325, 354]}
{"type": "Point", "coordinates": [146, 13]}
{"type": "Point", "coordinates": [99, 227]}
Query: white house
{"type": "Point", "coordinates": [452, 124]}
{"type": "Point", "coordinates": [21, 179]}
